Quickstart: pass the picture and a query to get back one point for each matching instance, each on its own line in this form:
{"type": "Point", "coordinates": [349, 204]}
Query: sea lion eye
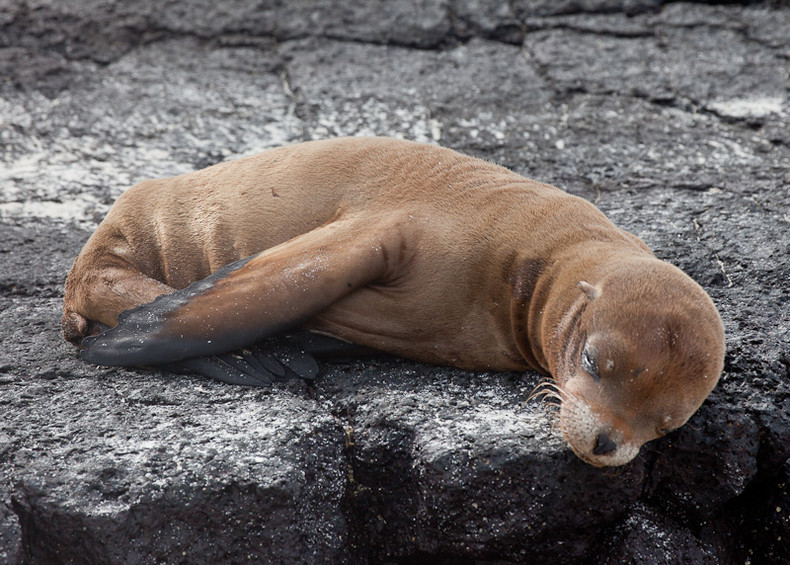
{"type": "Point", "coordinates": [589, 363]}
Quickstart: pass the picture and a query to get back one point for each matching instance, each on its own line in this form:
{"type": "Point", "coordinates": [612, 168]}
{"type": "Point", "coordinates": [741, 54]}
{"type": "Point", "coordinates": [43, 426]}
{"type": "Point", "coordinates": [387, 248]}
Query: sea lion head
{"type": "Point", "coordinates": [643, 348]}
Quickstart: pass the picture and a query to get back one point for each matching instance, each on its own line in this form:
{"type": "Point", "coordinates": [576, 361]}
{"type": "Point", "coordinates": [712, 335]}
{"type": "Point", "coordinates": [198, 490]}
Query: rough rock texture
{"type": "Point", "coordinates": [673, 118]}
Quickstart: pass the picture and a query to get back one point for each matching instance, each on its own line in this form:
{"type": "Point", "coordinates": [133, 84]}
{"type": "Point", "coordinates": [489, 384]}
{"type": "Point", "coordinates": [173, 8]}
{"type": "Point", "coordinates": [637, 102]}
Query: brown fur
{"type": "Point", "coordinates": [464, 263]}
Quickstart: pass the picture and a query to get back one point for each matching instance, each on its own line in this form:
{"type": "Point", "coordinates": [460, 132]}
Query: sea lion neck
{"type": "Point", "coordinates": [529, 285]}
{"type": "Point", "coordinates": [547, 298]}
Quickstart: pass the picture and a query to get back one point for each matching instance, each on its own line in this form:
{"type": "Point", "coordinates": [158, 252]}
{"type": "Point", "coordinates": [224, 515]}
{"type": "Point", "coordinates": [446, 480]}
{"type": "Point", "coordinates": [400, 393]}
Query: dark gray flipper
{"type": "Point", "coordinates": [261, 365]}
{"type": "Point", "coordinates": [328, 348]}
{"type": "Point", "coordinates": [275, 358]}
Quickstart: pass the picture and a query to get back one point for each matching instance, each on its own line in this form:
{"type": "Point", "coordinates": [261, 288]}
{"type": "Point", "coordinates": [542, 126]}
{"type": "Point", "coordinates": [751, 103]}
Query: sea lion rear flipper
{"type": "Point", "coordinates": [328, 348]}
{"type": "Point", "coordinates": [245, 301]}
{"type": "Point", "coordinates": [275, 358]}
{"type": "Point", "coordinates": [260, 365]}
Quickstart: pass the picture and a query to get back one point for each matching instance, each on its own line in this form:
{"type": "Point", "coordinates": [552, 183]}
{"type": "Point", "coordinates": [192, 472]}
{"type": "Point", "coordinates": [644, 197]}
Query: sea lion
{"type": "Point", "coordinates": [409, 249]}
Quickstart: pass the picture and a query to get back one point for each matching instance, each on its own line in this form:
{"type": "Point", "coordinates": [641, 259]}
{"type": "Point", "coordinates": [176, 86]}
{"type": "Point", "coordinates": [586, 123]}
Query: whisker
{"type": "Point", "coordinates": [546, 387]}
{"type": "Point", "coordinates": [557, 400]}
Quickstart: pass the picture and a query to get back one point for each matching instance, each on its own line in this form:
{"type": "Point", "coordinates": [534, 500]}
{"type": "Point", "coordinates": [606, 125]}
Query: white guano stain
{"type": "Point", "coordinates": [76, 208]}
{"type": "Point", "coordinates": [757, 107]}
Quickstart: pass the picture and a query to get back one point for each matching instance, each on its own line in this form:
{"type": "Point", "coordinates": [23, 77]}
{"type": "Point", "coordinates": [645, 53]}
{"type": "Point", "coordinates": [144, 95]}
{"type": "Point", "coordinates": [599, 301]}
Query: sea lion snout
{"type": "Point", "coordinates": [594, 437]}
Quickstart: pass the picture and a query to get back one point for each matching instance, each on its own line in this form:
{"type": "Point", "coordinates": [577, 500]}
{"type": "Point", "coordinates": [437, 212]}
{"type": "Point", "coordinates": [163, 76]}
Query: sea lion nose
{"type": "Point", "coordinates": [604, 445]}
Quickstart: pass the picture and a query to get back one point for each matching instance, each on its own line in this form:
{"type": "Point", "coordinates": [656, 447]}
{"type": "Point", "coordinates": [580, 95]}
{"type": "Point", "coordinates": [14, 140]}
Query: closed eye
{"type": "Point", "coordinates": [589, 363]}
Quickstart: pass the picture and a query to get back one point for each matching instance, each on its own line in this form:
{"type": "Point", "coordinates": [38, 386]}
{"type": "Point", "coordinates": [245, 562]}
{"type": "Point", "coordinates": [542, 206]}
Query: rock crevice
{"type": "Point", "coordinates": [673, 118]}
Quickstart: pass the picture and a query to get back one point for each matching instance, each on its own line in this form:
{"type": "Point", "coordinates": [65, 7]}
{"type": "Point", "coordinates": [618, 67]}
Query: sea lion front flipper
{"type": "Point", "coordinates": [250, 299]}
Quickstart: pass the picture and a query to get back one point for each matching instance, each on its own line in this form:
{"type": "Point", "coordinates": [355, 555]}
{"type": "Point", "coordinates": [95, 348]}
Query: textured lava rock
{"type": "Point", "coordinates": [674, 119]}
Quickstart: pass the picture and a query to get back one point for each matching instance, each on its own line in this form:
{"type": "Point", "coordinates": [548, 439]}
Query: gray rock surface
{"type": "Point", "coordinates": [674, 119]}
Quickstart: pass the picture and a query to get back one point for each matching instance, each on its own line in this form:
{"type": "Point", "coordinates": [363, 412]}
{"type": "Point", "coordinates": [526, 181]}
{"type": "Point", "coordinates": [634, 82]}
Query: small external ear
{"type": "Point", "coordinates": [591, 291]}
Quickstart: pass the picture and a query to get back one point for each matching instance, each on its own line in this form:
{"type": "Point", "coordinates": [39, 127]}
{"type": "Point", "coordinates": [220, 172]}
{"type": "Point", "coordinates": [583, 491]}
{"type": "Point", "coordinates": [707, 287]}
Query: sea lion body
{"type": "Point", "coordinates": [409, 249]}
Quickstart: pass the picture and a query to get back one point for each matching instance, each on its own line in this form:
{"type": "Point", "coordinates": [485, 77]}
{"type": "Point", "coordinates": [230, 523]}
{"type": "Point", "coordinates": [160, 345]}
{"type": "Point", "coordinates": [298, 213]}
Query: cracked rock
{"type": "Point", "coordinates": [672, 118]}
